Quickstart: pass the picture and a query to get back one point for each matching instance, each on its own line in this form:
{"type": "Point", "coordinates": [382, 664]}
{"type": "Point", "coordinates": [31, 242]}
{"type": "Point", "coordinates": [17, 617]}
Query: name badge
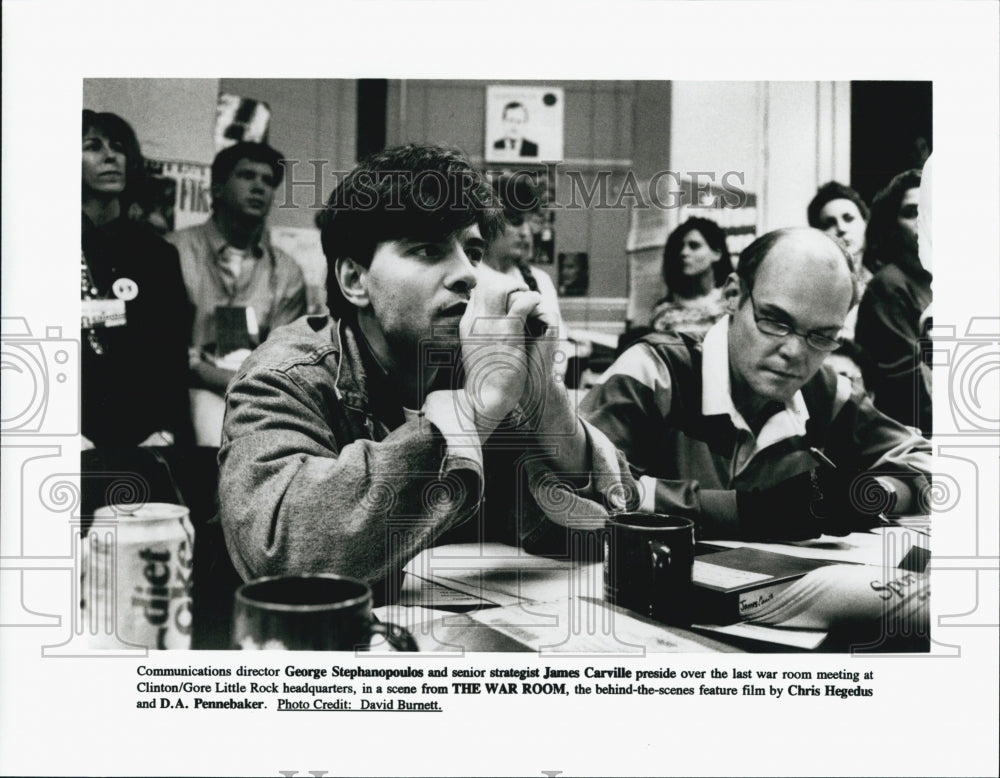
{"type": "Point", "coordinates": [102, 313]}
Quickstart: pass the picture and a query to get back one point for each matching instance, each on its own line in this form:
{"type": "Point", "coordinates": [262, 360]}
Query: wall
{"type": "Point", "coordinates": [174, 118]}
{"type": "Point", "coordinates": [788, 137]}
{"type": "Point", "coordinates": [806, 143]}
{"type": "Point", "coordinates": [598, 136]}
{"type": "Point", "coordinates": [716, 127]}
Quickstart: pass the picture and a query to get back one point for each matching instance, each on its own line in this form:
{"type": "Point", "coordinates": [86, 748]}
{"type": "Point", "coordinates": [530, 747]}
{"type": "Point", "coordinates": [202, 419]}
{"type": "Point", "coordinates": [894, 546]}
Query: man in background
{"type": "Point", "coordinates": [240, 285]}
{"type": "Point", "coordinates": [747, 431]}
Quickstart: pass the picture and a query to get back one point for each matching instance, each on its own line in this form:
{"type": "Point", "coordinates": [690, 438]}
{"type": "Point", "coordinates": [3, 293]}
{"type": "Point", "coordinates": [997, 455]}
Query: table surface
{"type": "Point", "coordinates": [491, 597]}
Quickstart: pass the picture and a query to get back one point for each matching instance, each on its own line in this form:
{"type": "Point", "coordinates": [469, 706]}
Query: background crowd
{"type": "Point", "coordinates": [177, 315]}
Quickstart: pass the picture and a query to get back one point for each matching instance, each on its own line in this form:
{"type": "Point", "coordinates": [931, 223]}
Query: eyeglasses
{"type": "Point", "coordinates": [780, 329]}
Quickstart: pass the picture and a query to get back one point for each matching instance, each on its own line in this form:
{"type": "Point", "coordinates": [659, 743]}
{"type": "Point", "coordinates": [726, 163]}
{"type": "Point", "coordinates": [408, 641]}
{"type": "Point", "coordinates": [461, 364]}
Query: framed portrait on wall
{"type": "Point", "coordinates": [524, 124]}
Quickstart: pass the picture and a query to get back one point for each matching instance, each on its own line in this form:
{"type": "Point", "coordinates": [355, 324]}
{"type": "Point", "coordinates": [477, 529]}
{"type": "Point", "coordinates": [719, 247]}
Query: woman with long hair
{"type": "Point", "coordinates": [839, 211]}
{"type": "Point", "coordinates": [135, 320]}
{"type": "Point", "coordinates": [696, 263]}
{"type": "Point", "coordinates": [889, 317]}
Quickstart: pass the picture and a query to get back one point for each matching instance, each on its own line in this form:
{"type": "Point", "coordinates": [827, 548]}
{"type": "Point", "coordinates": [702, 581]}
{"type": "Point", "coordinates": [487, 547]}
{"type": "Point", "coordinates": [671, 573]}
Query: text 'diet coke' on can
{"type": "Point", "coordinates": [138, 562]}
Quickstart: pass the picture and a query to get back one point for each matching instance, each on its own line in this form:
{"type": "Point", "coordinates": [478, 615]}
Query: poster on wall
{"type": "Point", "coordinates": [524, 124]}
{"type": "Point", "coordinates": [240, 119]}
{"type": "Point", "coordinates": [176, 195]}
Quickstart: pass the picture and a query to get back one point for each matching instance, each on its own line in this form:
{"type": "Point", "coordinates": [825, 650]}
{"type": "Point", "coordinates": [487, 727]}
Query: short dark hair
{"type": "Point", "coordinates": [227, 159]}
{"type": "Point", "coordinates": [116, 129]}
{"type": "Point", "coordinates": [833, 190]}
{"type": "Point", "coordinates": [416, 192]}
{"type": "Point", "coordinates": [753, 255]}
{"type": "Point", "coordinates": [884, 241]}
{"type": "Point", "coordinates": [511, 105]}
{"type": "Point", "coordinates": [673, 271]}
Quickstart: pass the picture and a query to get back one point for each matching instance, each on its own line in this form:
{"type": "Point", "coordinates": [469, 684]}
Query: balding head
{"type": "Point", "coordinates": [803, 251]}
{"type": "Point", "coordinates": [799, 279]}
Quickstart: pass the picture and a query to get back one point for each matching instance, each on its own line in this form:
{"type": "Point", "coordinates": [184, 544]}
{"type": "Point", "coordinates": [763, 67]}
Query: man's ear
{"type": "Point", "coordinates": [353, 281]}
{"type": "Point", "coordinates": [731, 292]}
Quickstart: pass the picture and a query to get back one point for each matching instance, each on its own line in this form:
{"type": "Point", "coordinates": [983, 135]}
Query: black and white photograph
{"type": "Point", "coordinates": [524, 124]}
{"type": "Point", "coordinates": [809, 454]}
{"type": "Point", "coordinates": [512, 393]}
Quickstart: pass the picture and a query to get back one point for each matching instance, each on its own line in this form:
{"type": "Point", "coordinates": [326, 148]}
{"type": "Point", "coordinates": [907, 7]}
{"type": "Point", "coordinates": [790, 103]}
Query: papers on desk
{"type": "Point", "coordinates": [880, 587]}
{"type": "Point", "coordinates": [840, 594]}
{"type": "Point", "coordinates": [886, 546]}
{"type": "Point", "coordinates": [806, 639]}
{"type": "Point", "coordinates": [507, 600]}
{"type": "Point", "coordinates": [437, 593]}
{"type": "Point", "coordinates": [835, 596]}
{"type": "Point", "coordinates": [492, 597]}
{"type": "Point", "coordinates": [491, 574]}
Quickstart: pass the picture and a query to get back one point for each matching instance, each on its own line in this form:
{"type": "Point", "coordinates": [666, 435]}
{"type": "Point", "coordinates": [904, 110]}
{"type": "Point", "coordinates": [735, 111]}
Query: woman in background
{"type": "Point", "coordinates": [135, 316]}
{"type": "Point", "coordinates": [889, 317]}
{"type": "Point", "coordinates": [696, 264]}
{"type": "Point", "coordinates": [840, 212]}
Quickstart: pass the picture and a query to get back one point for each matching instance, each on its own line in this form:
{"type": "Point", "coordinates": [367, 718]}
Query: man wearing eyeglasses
{"type": "Point", "coordinates": [746, 431]}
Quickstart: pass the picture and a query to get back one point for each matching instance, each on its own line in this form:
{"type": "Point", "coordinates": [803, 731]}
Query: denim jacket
{"type": "Point", "coordinates": [322, 470]}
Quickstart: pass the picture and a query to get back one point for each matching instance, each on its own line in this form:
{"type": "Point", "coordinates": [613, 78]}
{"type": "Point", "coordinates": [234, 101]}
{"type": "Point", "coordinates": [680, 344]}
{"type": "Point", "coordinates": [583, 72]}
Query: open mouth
{"type": "Point", "coordinates": [455, 310]}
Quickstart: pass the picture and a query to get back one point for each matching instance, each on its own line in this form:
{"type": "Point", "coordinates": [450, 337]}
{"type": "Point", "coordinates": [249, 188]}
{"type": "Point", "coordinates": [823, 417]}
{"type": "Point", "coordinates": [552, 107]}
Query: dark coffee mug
{"type": "Point", "coordinates": [310, 613]}
{"type": "Point", "coordinates": [648, 559]}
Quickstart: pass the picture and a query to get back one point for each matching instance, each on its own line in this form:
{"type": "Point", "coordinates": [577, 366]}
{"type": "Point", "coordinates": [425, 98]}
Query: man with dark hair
{"type": "Point", "coordinates": [747, 432]}
{"type": "Point", "coordinates": [513, 143]}
{"type": "Point", "coordinates": [241, 286]}
{"type": "Point", "coordinates": [421, 411]}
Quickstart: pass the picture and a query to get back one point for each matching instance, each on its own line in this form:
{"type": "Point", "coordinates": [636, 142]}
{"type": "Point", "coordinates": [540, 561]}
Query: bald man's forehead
{"type": "Point", "coordinates": [811, 244]}
{"type": "Point", "coordinates": [806, 266]}
{"type": "Point", "coordinates": [808, 252]}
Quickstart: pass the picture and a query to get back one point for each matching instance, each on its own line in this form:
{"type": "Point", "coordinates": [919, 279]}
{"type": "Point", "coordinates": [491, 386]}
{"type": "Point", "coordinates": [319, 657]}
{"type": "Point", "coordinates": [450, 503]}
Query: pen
{"type": "Point", "coordinates": [822, 458]}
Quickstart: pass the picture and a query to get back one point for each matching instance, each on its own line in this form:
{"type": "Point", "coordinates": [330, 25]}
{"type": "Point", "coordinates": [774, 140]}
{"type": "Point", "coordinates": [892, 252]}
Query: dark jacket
{"type": "Point", "coordinates": [889, 330]}
{"type": "Point", "coordinates": [652, 404]}
{"type": "Point", "coordinates": [138, 385]}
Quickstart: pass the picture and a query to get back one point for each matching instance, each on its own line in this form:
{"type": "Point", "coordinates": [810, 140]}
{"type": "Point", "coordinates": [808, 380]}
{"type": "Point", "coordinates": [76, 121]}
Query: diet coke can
{"type": "Point", "coordinates": [138, 562]}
